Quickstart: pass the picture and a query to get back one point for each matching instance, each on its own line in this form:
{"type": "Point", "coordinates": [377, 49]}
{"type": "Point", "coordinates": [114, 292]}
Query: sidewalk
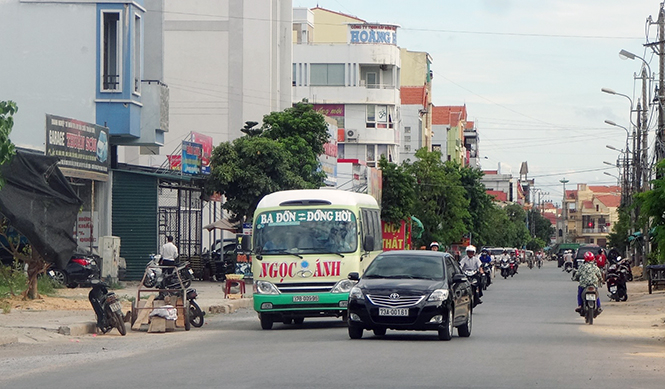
{"type": "Point", "coordinates": [70, 314]}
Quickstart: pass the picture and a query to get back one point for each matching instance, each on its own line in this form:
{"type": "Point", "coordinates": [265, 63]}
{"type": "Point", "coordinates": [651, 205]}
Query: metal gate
{"type": "Point", "coordinates": [180, 215]}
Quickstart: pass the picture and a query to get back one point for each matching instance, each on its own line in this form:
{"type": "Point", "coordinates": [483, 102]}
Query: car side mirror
{"type": "Point", "coordinates": [457, 278]}
{"type": "Point", "coordinates": [354, 276]}
{"type": "Point", "coordinates": [368, 243]}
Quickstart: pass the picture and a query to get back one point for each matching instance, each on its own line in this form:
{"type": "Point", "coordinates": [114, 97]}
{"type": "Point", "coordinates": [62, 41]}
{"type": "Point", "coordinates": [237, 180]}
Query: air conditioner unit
{"type": "Point", "coordinates": [351, 136]}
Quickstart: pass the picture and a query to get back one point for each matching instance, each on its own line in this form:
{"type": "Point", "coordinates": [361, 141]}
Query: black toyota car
{"type": "Point", "coordinates": [411, 290]}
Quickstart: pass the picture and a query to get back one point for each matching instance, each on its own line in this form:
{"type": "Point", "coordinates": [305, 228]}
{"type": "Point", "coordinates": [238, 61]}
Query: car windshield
{"type": "Point", "coordinates": [306, 231]}
{"type": "Point", "coordinates": [406, 266]}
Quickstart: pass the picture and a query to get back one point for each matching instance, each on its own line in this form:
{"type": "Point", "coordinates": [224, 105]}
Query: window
{"type": "Point", "coordinates": [327, 75]}
{"type": "Point", "coordinates": [371, 115]}
{"type": "Point", "coordinates": [407, 138]}
{"type": "Point", "coordinates": [137, 54]}
{"type": "Point", "coordinates": [407, 147]}
{"type": "Point", "coordinates": [407, 130]}
{"type": "Point", "coordinates": [111, 61]}
{"type": "Point", "coordinates": [383, 150]}
{"type": "Point", "coordinates": [372, 80]}
{"type": "Point", "coordinates": [371, 226]}
{"type": "Point", "coordinates": [436, 148]}
{"type": "Point", "coordinates": [378, 116]}
{"type": "Point", "coordinates": [293, 76]}
{"type": "Point", "coordinates": [370, 153]}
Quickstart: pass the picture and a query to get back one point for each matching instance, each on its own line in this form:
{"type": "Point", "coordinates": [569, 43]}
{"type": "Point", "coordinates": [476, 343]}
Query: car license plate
{"type": "Point", "coordinates": [305, 299]}
{"type": "Point", "coordinates": [590, 297]}
{"type": "Point", "coordinates": [613, 289]}
{"type": "Point", "coordinates": [393, 312]}
{"type": "Point", "coordinates": [51, 273]}
{"type": "Point", "coordinates": [116, 307]}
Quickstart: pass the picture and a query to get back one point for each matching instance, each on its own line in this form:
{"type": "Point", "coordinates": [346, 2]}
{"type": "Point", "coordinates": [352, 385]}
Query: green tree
{"type": "Point", "coordinates": [7, 111]}
{"type": "Point", "coordinates": [618, 238]}
{"type": "Point", "coordinates": [515, 232]}
{"type": "Point", "coordinates": [398, 194]}
{"type": "Point", "coordinates": [652, 208]}
{"type": "Point", "coordinates": [303, 132]}
{"type": "Point", "coordinates": [541, 226]}
{"type": "Point", "coordinates": [480, 205]}
{"type": "Point", "coordinates": [440, 204]}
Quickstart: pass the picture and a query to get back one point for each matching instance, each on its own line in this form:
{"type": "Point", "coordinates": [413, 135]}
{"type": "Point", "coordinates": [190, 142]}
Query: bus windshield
{"type": "Point", "coordinates": [306, 231]}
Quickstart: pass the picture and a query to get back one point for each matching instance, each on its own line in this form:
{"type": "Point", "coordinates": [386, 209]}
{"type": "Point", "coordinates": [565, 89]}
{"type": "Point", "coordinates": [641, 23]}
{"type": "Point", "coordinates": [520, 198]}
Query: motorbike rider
{"type": "Point", "coordinates": [471, 262]}
{"type": "Point", "coordinates": [434, 246]}
{"type": "Point", "coordinates": [588, 274]}
{"type": "Point", "coordinates": [486, 258]}
{"type": "Point", "coordinates": [567, 258]}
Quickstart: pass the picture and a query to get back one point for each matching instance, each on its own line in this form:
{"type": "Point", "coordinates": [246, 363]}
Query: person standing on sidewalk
{"type": "Point", "coordinates": [169, 252]}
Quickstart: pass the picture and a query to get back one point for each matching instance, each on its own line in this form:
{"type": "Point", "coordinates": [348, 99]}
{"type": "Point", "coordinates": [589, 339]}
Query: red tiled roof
{"type": "Point", "coordinates": [551, 217]}
{"type": "Point", "coordinates": [490, 172]}
{"type": "Point", "coordinates": [605, 188]}
{"type": "Point", "coordinates": [587, 204]}
{"type": "Point", "coordinates": [339, 13]}
{"type": "Point", "coordinates": [414, 95]}
{"type": "Point", "coordinates": [448, 115]}
{"type": "Point", "coordinates": [469, 125]}
{"type": "Point", "coordinates": [498, 195]}
{"type": "Point", "coordinates": [571, 194]}
{"type": "Point", "coordinates": [610, 201]}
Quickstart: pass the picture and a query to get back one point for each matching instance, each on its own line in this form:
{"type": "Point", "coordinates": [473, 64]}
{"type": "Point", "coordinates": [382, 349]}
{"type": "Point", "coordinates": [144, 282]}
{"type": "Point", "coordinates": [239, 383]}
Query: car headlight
{"type": "Point", "coordinates": [356, 294]}
{"type": "Point", "coordinates": [265, 287]}
{"type": "Point", "coordinates": [343, 286]}
{"type": "Point", "coordinates": [438, 295]}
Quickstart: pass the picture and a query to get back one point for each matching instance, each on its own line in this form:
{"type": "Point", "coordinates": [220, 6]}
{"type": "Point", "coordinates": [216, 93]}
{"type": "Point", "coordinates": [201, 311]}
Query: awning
{"type": "Point", "coordinates": [222, 224]}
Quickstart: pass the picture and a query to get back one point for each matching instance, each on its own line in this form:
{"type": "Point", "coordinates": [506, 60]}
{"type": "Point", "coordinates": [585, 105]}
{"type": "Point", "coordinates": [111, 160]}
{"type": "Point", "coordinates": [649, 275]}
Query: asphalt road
{"type": "Point", "coordinates": [525, 335]}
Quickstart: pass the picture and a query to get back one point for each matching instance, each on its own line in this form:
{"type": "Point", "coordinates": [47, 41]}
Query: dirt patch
{"type": "Point", "coordinates": [64, 300]}
{"type": "Point", "coordinates": [641, 317]}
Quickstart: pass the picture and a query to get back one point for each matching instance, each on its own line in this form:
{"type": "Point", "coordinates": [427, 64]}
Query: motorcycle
{"type": "Point", "coordinates": [617, 274]}
{"type": "Point", "coordinates": [486, 277]}
{"type": "Point", "coordinates": [107, 308]}
{"type": "Point", "coordinates": [568, 267]}
{"type": "Point", "coordinates": [589, 304]}
{"type": "Point", "coordinates": [513, 267]}
{"type": "Point", "coordinates": [474, 280]}
{"type": "Point", "coordinates": [505, 269]}
{"type": "Point", "coordinates": [159, 276]}
{"type": "Point", "coordinates": [195, 312]}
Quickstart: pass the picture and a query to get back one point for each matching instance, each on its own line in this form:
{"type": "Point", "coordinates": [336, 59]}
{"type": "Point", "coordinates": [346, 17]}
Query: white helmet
{"type": "Point", "coordinates": [470, 248]}
{"type": "Point", "coordinates": [434, 244]}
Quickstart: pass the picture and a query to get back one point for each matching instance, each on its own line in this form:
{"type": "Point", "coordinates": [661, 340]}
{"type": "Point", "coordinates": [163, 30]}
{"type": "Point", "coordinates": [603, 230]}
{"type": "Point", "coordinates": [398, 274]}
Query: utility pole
{"type": "Point", "coordinates": [564, 211]}
{"type": "Point", "coordinates": [660, 136]}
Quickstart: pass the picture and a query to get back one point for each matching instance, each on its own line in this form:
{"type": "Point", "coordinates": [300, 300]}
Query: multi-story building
{"type": "Point", "coordinates": [448, 124]}
{"type": "Point", "coordinates": [77, 73]}
{"type": "Point", "coordinates": [416, 100]}
{"type": "Point", "coordinates": [471, 144]}
{"type": "Point", "coordinates": [350, 69]}
{"type": "Point", "coordinates": [501, 186]}
{"type": "Point", "coordinates": [591, 212]}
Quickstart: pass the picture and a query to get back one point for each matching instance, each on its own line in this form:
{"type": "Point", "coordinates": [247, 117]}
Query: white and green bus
{"type": "Point", "coordinates": [305, 243]}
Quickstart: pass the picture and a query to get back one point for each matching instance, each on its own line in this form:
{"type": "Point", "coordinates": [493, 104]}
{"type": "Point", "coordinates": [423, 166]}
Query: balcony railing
{"type": "Point", "coordinates": [596, 230]}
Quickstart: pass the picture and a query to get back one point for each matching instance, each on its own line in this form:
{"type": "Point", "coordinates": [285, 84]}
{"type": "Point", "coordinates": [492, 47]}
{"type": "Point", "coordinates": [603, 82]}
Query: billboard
{"type": "Point", "coordinates": [191, 157]}
{"type": "Point", "coordinates": [79, 145]}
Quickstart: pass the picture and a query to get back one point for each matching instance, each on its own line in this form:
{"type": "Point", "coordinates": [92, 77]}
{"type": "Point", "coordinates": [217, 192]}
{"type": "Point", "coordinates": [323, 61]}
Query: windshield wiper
{"type": "Point", "coordinates": [280, 252]}
{"type": "Point", "coordinates": [400, 276]}
{"type": "Point", "coordinates": [334, 252]}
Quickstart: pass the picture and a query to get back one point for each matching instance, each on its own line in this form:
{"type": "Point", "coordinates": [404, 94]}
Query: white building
{"type": "Point", "coordinates": [350, 70]}
{"type": "Point", "coordinates": [226, 62]}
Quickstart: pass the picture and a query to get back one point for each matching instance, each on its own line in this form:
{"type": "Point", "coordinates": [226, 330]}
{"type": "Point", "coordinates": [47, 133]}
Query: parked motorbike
{"type": "Point", "coordinates": [107, 308]}
{"type": "Point", "coordinates": [568, 267]}
{"type": "Point", "coordinates": [159, 276]}
{"type": "Point", "coordinates": [589, 304]}
{"type": "Point", "coordinates": [195, 312]}
{"type": "Point", "coordinates": [486, 277]}
{"type": "Point", "coordinates": [617, 274]}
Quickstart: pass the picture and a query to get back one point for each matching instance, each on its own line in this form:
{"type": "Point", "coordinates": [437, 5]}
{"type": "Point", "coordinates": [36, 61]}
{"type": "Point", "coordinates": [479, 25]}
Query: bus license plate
{"type": "Point", "coordinates": [305, 299]}
{"type": "Point", "coordinates": [393, 312]}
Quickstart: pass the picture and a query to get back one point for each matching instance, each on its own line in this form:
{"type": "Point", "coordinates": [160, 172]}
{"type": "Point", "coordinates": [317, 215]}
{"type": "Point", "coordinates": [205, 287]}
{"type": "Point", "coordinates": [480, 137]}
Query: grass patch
{"type": "Point", "coordinates": [5, 306]}
{"type": "Point", "coordinates": [46, 285]}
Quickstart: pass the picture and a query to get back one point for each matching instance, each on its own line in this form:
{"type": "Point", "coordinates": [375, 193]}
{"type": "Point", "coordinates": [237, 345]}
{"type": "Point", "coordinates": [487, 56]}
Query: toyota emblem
{"type": "Point", "coordinates": [394, 296]}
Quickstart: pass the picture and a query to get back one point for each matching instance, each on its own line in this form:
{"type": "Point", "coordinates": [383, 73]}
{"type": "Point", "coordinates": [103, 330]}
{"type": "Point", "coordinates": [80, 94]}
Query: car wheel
{"type": "Point", "coordinates": [446, 331]}
{"type": "Point", "coordinates": [465, 329]}
{"type": "Point", "coordinates": [266, 321]}
{"type": "Point", "coordinates": [379, 331]}
{"type": "Point", "coordinates": [355, 332]}
{"type": "Point", "coordinates": [59, 276]}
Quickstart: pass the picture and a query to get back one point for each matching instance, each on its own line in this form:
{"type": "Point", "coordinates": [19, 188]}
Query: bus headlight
{"type": "Point", "coordinates": [343, 286]}
{"type": "Point", "coordinates": [265, 287]}
{"type": "Point", "coordinates": [356, 294]}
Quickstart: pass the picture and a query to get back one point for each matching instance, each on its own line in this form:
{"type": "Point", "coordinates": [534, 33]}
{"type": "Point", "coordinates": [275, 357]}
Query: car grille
{"type": "Point", "coordinates": [305, 287]}
{"type": "Point", "coordinates": [402, 302]}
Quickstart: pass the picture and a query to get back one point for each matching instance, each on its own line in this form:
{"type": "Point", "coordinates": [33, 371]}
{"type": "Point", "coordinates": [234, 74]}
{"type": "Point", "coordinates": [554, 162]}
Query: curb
{"type": "Point", "coordinates": [8, 340]}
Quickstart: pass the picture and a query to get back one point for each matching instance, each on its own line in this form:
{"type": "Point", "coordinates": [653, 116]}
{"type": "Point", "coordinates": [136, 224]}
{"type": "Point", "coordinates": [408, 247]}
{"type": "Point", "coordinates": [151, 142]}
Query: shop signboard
{"type": "Point", "coordinates": [206, 150]}
{"type": "Point", "coordinates": [80, 146]}
{"type": "Point", "coordinates": [371, 33]}
{"type": "Point", "coordinates": [191, 157]}
{"type": "Point", "coordinates": [394, 236]}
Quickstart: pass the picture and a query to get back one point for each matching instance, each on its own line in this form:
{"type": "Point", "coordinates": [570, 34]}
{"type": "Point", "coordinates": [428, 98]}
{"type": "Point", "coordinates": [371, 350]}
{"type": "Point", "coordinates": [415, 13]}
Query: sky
{"type": "Point", "coordinates": [531, 73]}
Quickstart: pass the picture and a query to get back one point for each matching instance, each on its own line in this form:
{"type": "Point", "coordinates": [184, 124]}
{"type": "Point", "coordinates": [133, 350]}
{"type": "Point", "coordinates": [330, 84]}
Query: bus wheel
{"type": "Point", "coordinates": [266, 321]}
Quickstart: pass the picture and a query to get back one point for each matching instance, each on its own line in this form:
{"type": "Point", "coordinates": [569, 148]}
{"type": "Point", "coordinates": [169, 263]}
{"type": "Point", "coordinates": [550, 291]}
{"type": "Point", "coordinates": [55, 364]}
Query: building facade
{"type": "Point", "coordinates": [350, 68]}
{"type": "Point", "coordinates": [591, 212]}
{"type": "Point", "coordinates": [416, 101]}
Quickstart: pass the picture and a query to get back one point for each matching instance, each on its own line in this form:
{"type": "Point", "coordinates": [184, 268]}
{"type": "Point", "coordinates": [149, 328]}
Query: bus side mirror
{"type": "Point", "coordinates": [368, 243]}
{"type": "Point", "coordinates": [354, 276]}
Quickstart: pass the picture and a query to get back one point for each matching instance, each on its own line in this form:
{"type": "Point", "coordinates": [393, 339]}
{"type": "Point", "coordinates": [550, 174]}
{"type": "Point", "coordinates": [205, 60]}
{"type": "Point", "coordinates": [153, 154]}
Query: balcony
{"type": "Point", "coordinates": [597, 230]}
